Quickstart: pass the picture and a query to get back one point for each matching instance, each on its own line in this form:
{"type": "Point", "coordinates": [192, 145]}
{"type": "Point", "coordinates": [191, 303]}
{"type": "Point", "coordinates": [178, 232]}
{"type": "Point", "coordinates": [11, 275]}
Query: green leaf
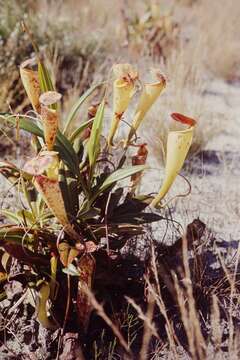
{"type": "Point", "coordinates": [135, 218]}
{"type": "Point", "coordinates": [120, 175]}
{"type": "Point", "coordinates": [63, 145]}
{"type": "Point", "coordinates": [114, 200]}
{"type": "Point", "coordinates": [45, 80]}
{"type": "Point", "coordinates": [11, 216]}
{"type": "Point", "coordinates": [119, 229]}
{"type": "Point", "coordinates": [73, 112]}
{"type": "Point", "coordinates": [29, 194]}
{"type": "Point", "coordinates": [13, 235]}
{"type": "Point", "coordinates": [79, 149]}
{"type": "Point", "coordinates": [19, 217]}
{"type": "Point", "coordinates": [79, 130]}
{"type": "Point", "coordinates": [69, 190]}
{"type": "Point", "coordinates": [131, 205]}
{"type": "Point", "coordinates": [67, 153]}
{"type": "Point", "coordinates": [94, 140]}
{"type": "Point", "coordinates": [112, 179]}
{"type": "Point", "coordinates": [23, 123]}
{"type": "Point", "coordinates": [90, 214]}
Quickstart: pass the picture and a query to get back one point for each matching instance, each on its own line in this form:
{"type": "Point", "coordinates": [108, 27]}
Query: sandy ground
{"type": "Point", "coordinates": [215, 192]}
{"type": "Point", "coordinates": [214, 172]}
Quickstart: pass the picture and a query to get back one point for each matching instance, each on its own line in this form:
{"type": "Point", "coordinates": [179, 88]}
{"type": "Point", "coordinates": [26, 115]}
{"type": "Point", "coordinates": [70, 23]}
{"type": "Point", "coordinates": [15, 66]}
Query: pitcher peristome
{"type": "Point", "coordinates": [45, 161]}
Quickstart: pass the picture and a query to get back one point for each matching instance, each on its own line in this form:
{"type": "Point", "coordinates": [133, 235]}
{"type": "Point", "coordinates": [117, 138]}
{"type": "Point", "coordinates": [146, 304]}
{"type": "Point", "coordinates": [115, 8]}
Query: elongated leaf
{"type": "Point", "coordinates": [79, 149]}
{"type": "Point", "coordinates": [13, 235]}
{"type": "Point", "coordinates": [135, 218]}
{"type": "Point", "coordinates": [63, 145]}
{"type": "Point", "coordinates": [11, 216]}
{"type": "Point", "coordinates": [112, 201]}
{"type": "Point", "coordinates": [68, 187]}
{"type": "Point", "coordinates": [19, 216]}
{"type": "Point", "coordinates": [30, 195]}
{"type": "Point", "coordinates": [79, 130]}
{"type": "Point", "coordinates": [22, 253]}
{"type": "Point", "coordinates": [120, 175]}
{"type": "Point", "coordinates": [94, 140]}
{"type": "Point", "coordinates": [111, 180]}
{"type": "Point", "coordinates": [45, 80]}
{"type": "Point", "coordinates": [119, 229]}
{"type": "Point", "coordinates": [67, 153]}
{"type": "Point", "coordinates": [73, 112]}
{"type": "Point", "coordinates": [131, 205]}
{"type": "Point", "coordinates": [23, 123]}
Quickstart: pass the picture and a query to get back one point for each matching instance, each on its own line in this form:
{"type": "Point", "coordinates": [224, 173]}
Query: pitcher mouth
{"type": "Point", "coordinates": [183, 119]}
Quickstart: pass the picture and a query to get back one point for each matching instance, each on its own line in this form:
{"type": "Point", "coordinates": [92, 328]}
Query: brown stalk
{"type": "Point", "coordinates": [156, 293]}
{"type": "Point", "coordinates": [100, 311]}
{"type": "Point", "coordinates": [186, 302]}
{"type": "Point", "coordinates": [216, 324]}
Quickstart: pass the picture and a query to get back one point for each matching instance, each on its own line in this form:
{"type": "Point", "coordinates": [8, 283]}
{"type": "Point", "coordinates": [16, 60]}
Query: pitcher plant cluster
{"type": "Point", "coordinates": [75, 203]}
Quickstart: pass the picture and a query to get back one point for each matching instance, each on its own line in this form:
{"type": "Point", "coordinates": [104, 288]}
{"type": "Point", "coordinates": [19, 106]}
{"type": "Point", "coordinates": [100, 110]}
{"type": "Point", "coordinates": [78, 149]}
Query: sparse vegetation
{"type": "Point", "coordinates": [97, 262]}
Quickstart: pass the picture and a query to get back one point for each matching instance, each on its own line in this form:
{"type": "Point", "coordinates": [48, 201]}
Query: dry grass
{"type": "Point", "coordinates": [218, 21]}
{"type": "Point", "coordinates": [184, 94]}
{"type": "Point", "coordinates": [204, 334]}
{"type": "Point", "coordinates": [209, 47]}
{"type": "Point", "coordinates": [75, 45]}
{"type": "Point", "coordinates": [83, 43]}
